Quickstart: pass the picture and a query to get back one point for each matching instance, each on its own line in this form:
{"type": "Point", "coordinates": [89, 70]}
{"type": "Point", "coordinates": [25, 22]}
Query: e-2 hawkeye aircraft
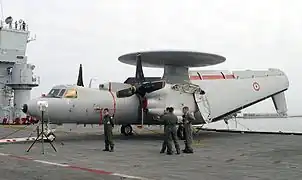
{"type": "Point", "coordinates": [211, 95]}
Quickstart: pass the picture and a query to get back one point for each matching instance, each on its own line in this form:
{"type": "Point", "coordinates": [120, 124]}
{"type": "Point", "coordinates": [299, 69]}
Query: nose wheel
{"type": "Point", "coordinates": [126, 130]}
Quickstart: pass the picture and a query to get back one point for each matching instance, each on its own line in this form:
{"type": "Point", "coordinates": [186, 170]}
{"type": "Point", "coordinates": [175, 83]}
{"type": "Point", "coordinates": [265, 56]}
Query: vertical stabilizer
{"type": "Point", "coordinates": [80, 77]}
{"type": "Point", "coordinates": [280, 103]}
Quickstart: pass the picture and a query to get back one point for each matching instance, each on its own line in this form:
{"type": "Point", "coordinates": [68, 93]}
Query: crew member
{"type": "Point", "coordinates": [164, 145]}
{"type": "Point", "coordinates": [23, 26]}
{"type": "Point", "coordinates": [108, 126]}
{"type": "Point", "coordinates": [170, 120]}
{"type": "Point", "coordinates": [188, 134]}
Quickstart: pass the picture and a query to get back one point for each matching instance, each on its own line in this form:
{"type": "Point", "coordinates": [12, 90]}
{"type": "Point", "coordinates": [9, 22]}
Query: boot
{"type": "Point", "coordinates": [177, 151]}
{"type": "Point", "coordinates": [188, 150]}
{"type": "Point", "coordinates": [106, 148]}
{"type": "Point", "coordinates": [162, 150]}
{"type": "Point", "coordinates": [111, 148]}
{"type": "Point", "coordinates": [169, 153]}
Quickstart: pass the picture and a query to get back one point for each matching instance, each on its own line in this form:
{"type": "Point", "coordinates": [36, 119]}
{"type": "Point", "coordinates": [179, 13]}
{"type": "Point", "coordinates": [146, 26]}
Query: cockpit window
{"type": "Point", "coordinates": [53, 93]}
{"type": "Point", "coordinates": [62, 92]}
{"type": "Point", "coordinates": [71, 93]}
{"type": "Point", "coordinates": [56, 93]}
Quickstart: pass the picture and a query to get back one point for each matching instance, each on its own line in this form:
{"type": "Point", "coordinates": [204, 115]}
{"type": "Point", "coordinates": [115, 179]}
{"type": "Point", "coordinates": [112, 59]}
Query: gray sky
{"type": "Point", "coordinates": [250, 34]}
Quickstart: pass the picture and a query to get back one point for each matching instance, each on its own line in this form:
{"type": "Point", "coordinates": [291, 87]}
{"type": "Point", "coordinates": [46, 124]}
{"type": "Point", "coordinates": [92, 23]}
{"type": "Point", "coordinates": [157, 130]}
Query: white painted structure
{"type": "Point", "coordinates": [210, 95]}
{"type": "Point", "coordinates": [234, 90]}
{"type": "Point", "coordinates": [16, 75]}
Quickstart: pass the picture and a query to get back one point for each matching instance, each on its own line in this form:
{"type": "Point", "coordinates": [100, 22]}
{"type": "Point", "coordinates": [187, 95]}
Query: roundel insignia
{"type": "Point", "coordinates": [256, 86]}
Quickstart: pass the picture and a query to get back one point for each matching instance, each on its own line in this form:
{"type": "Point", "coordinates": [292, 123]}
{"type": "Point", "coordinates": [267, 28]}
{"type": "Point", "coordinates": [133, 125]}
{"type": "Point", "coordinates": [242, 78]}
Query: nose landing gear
{"type": "Point", "coordinates": [127, 130]}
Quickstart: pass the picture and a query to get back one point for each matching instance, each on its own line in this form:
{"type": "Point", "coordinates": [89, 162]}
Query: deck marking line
{"type": "Point", "coordinates": [127, 176]}
{"type": "Point", "coordinates": [2, 154]}
{"type": "Point", "coordinates": [18, 139]}
{"type": "Point", "coordinates": [91, 170]}
{"type": "Point", "coordinates": [98, 171]}
{"type": "Point", "coordinates": [52, 163]}
{"type": "Point", "coordinates": [20, 157]}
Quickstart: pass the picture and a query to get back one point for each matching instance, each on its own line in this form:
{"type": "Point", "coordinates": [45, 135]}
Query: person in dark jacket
{"type": "Point", "coordinates": [170, 121]}
{"type": "Point", "coordinates": [164, 145]}
{"type": "Point", "coordinates": [188, 131]}
{"type": "Point", "coordinates": [108, 126]}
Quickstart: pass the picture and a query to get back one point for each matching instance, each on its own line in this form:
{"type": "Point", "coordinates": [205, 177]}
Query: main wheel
{"type": "Point", "coordinates": [127, 130]}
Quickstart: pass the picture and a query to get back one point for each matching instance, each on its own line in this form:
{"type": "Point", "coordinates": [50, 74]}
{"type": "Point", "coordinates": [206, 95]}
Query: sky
{"type": "Point", "coordinates": [250, 34]}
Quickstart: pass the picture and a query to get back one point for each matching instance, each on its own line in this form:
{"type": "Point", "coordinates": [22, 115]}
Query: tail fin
{"type": "Point", "coordinates": [80, 77]}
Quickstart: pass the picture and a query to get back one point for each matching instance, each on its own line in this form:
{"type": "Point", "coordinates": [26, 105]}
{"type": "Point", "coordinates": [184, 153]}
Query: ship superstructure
{"type": "Point", "coordinates": [16, 75]}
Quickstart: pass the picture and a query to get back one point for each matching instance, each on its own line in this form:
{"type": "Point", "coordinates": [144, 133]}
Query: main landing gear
{"type": "Point", "coordinates": [126, 130]}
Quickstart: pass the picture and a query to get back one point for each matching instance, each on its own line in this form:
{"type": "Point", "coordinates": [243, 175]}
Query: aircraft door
{"type": "Point", "coordinates": [203, 105]}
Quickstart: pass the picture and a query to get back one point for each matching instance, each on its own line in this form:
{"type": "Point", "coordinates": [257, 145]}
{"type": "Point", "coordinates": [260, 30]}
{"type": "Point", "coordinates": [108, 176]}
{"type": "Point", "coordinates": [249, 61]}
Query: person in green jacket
{"type": "Point", "coordinates": [170, 121]}
{"type": "Point", "coordinates": [108, 126]}
{"type": "Point", "coordinates": [188, 131]}
{"type": "Point", "coordinates": [164, 145]}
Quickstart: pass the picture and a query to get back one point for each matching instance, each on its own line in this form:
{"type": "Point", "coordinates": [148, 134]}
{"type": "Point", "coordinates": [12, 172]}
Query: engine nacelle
{"type": "Point", "coordinates": [168, 97]}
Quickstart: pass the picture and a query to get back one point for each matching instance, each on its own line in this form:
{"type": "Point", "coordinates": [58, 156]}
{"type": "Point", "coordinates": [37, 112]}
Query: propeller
{"type": "Point", "coordinates": [80, 77]}
{"type": "Point", "coordinates": [141, 86]}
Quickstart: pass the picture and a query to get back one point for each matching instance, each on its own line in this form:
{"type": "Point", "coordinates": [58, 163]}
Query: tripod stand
{"type": "Point", "coordinates": [42, 133]}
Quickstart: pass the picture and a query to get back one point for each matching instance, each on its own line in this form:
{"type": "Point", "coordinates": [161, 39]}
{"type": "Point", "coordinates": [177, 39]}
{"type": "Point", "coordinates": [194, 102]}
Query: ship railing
{"type": "Point", "coordinates": [36, 79]}
{"type": "Point", "coordinates": [18, 27]}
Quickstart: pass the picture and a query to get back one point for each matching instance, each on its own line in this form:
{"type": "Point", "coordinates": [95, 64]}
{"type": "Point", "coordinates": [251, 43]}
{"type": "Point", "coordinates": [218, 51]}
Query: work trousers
{"type": "Point", "coordinates": [188, 135]}
{"type": "Point", "coordinates": [171, 135]}
{"type": "Point", "coordinates": [108, 139]}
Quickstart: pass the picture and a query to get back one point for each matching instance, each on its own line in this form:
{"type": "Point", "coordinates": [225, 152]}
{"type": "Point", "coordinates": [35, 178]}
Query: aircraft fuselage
{"type": "Point", "coordinates": [224, 94]}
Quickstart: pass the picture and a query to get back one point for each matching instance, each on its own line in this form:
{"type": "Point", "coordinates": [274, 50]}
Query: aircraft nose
{"type": "Point", "coordinates": [31, 108]}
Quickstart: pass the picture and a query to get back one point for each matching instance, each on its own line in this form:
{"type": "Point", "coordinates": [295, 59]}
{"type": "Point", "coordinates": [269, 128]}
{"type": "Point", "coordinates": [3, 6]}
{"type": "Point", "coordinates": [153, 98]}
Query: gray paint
{"type": "Point", "coordinates": [16, 85]}
{"type": "Point", "coordinates": [176, 58]}
{"type": "Point", "coordinates": [222, 96]}
{"type": "Point", "coordinates": [175, 74]}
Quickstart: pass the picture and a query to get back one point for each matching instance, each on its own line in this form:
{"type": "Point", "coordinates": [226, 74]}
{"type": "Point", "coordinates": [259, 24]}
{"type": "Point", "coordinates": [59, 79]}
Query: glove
{"type": "Point", "coordinates": [183, 116]}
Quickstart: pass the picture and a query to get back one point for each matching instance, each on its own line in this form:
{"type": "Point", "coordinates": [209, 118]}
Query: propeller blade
{"type": "Point", "coordinates": [139, 74]}
{"type": "Point", "coordinates": [146, 87]}
{"type": "Point", "coordinates": [151, 86]}
{"type": "Point", "coordinates": [141, 86]}
{"type": "Point", "coordinates": [80, 77]}
{"type": "Point", "coordinates": [126, 92]}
